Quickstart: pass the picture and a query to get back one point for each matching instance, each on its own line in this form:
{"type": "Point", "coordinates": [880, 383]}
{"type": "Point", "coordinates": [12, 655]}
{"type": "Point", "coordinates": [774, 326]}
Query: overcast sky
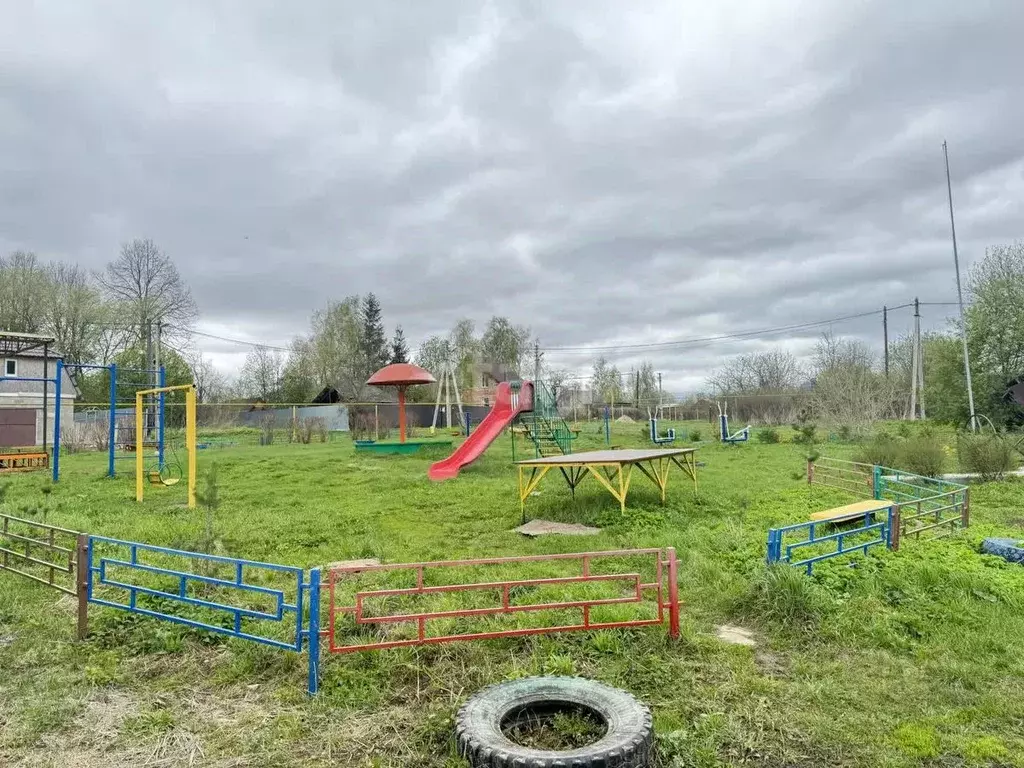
{"type": "Point", "coordinates": [607, 172]}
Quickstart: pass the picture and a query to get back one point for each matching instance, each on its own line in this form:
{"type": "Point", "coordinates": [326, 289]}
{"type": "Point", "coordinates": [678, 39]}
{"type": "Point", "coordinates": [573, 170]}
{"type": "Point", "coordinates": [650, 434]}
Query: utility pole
{"type": "Point", "coordinates": [659, 393]}
{"type": "Point", "coordinates": [536, 360]}
{"type": "Point", "coordinates": [147, 366]}
{"type": "Point", "coordinates": [913, 373]}
{"type": "Point", "coordinates": [156, 356]}
{"type": "Point", "coordinates": [960, 294]}
{"type": "Point", "coordinates": [919, 357]}
{"type": "Point", "coordinates": [885, 336]}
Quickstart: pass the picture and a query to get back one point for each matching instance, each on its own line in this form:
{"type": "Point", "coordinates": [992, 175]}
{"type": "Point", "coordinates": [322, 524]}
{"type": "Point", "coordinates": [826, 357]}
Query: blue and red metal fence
{"type": "Point", "coordinates": [280, 606]}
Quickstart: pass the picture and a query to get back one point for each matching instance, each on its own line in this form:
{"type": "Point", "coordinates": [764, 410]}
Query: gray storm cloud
{"type": "Point", "coordinates": [608, 173]}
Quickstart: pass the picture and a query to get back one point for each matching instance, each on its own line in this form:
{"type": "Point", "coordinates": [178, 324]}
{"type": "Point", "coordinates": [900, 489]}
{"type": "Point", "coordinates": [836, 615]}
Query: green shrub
{"type": "Point", "coordinates": [768, 435]}
{"type": "Point", "coordinates": [987, 454]}
{"type": "Point", "coordinates": [923, 455]}
{"type": "Point", "coordinates": [883, 450]}
{"type": "Point", "coordinates": [845, 433]}
{"type": "Point", "coordinates": [806, 433]}
{"type": "Point", "coordinates": [694, 435]}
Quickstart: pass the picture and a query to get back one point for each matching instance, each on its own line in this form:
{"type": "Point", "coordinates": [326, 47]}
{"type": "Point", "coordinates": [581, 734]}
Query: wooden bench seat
{"type": "Point", "coordinates": [23, 461]}
{"type": "Point", "coordinates": [850, 511]}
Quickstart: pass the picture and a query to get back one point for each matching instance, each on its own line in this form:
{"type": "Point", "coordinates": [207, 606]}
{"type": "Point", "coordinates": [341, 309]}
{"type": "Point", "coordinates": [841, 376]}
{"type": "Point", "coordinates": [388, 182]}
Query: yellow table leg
{"type": "Point", "coordinates": [689, 466]}
{"type": "Point", "coordinates": [525, 489]}
{"type": "Point", "coordinates": [624, 475]}
{"type": "Point", "coordinates": [662, 472]}
{"type": "Point", "coordinates": [623, 479]}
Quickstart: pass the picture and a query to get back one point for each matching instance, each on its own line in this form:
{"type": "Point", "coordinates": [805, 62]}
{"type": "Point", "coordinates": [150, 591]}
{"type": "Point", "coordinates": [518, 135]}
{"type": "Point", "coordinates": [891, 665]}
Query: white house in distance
{"type": "Point", "coordinates": [25, 355]}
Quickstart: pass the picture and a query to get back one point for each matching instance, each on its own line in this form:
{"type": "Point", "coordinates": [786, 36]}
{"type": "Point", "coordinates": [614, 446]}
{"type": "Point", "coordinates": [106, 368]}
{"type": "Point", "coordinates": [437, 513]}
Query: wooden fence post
{"type": "Point", "coordinates": [895, 527]}
{"type": "Point", "coordinates": [810, 471]}
{"type": "Point", "coordinates": [81, 585]}
{"type": "Point", "coordinates": [965, 511]}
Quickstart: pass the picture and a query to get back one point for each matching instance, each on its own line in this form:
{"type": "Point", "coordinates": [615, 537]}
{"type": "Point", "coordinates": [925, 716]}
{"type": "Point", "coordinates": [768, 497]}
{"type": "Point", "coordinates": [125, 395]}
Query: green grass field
{"type": "Point", "coordinates": [897, 659]}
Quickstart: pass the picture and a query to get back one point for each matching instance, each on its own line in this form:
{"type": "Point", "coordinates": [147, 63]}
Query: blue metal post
{"type": "Point", "coordinates": [469, 419]}
{"type": "Point", "coordinates": [313, 682]}
{"type": "Point", "coordinates": [56, 421]}
{"type": "Point", "coordinates": [162, 379]}
{"type": "Point", "coordinates": [877, 481]}
{"type": "Point", "coordinates": [88, 571]}
{"type": "Point", "coordinates": [112, 427]}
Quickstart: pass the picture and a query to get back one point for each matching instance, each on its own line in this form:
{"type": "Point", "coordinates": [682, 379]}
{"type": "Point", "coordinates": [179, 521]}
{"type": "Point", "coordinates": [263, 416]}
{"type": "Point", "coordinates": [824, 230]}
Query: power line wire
{"type": "Point", "coordinates": [651, 345]}
{"type": "Point", "coordinates": [726, 336]}
{"type": "Point", "coordinates": [240, 341]}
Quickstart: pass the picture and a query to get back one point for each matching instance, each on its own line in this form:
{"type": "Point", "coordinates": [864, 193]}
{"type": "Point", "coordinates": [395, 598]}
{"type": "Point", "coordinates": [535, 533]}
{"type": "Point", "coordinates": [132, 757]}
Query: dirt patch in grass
{"type": "Point", "coordinates": [771, 664]}
{"type": "Point", "coordinates": [92, 738]}
{"type": "Point", "coordinates": [735, 635]}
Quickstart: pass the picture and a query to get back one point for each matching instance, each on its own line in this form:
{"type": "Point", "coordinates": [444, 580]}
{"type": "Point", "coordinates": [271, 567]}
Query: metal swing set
{"type": "Point", "coordinates": [161, 472]}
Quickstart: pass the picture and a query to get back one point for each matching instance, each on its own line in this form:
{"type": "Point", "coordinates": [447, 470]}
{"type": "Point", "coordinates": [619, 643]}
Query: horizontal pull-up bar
{"type": "Point", "coordinates": [93, 367]}
{"type": "Point", "coordinates": [159, 390]}
{"type": "Point", "coordinates": [27, 378]}
{"type": "Point", "coordinates": [86, 366]}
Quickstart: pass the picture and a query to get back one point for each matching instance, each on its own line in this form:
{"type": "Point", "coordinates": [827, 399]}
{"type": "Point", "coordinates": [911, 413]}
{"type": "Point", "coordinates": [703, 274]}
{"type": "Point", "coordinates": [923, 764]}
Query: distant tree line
{"type": "Point", "coordinates": [104, 317]}
{"type": "Point", "coordinates": [846, 382]}
{"type": "Point", "coordinates": [347, 342]}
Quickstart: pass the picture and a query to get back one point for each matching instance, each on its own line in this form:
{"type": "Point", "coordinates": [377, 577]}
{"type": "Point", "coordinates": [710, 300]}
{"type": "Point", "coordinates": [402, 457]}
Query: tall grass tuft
{"type": "Point", "coordinates": [781, 594]}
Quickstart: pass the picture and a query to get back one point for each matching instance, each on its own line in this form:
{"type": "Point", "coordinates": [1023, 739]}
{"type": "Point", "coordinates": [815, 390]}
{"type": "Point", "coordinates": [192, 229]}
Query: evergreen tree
{"type": "Point", "coordinates": [399, 349]}
{"type": "Point", "coordinates": [375, 343]}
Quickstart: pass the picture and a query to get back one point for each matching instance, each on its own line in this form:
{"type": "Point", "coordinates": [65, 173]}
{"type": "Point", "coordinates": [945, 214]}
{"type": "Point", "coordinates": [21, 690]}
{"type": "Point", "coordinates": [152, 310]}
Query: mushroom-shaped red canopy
{"type": "Point", "coordinates": [400, 375]}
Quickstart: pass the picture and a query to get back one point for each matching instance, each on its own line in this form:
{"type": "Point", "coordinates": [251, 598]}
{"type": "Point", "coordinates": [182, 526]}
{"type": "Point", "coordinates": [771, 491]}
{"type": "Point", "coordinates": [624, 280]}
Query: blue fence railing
{"type": "Point", "coordinates": [263, 603]}
{"type": "Point", "coordinates": [803, 544]}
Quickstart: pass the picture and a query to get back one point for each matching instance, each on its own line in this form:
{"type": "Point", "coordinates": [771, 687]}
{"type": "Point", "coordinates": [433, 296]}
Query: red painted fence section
{"type": "Point", "coordinates": [661, 591]}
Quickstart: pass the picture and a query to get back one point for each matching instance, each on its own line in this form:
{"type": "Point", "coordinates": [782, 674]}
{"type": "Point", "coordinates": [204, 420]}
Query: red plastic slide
{"type": "Point", "coordinates": [507, 406]}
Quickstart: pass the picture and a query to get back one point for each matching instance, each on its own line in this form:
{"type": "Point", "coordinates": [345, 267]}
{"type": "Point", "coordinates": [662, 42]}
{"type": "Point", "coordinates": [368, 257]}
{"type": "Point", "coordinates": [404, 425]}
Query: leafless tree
{"type": "Point", "coordinates": [758, 373]}
{"type": "Point", "coordinates": [144, 280]}
{"type": "Point", "coordinates": [211, 384]}
{"type": "Point", "coordinates": [556, 378]}
{"type": "Point", "coordinates": [834, 352]}
{"type": "Point", "coordinates": [847, 388]}
{"type": "Point", "coordinates": [261, 374]}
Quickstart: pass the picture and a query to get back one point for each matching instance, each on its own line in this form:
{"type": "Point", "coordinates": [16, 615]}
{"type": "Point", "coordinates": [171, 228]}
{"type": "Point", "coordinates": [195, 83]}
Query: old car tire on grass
{"type": "Point", "coordinates": [627, 743]}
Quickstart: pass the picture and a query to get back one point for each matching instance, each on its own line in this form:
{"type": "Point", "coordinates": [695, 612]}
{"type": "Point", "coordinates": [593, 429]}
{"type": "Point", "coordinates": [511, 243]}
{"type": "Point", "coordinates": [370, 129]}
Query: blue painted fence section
{"type": "Point", "coordinates": [816, 534]}
{"type": "Point", "coordinates": [121, 569]}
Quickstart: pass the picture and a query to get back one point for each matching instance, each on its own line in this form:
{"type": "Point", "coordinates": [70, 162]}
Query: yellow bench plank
{"type": "Point", "coordinates": [850, 511]}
